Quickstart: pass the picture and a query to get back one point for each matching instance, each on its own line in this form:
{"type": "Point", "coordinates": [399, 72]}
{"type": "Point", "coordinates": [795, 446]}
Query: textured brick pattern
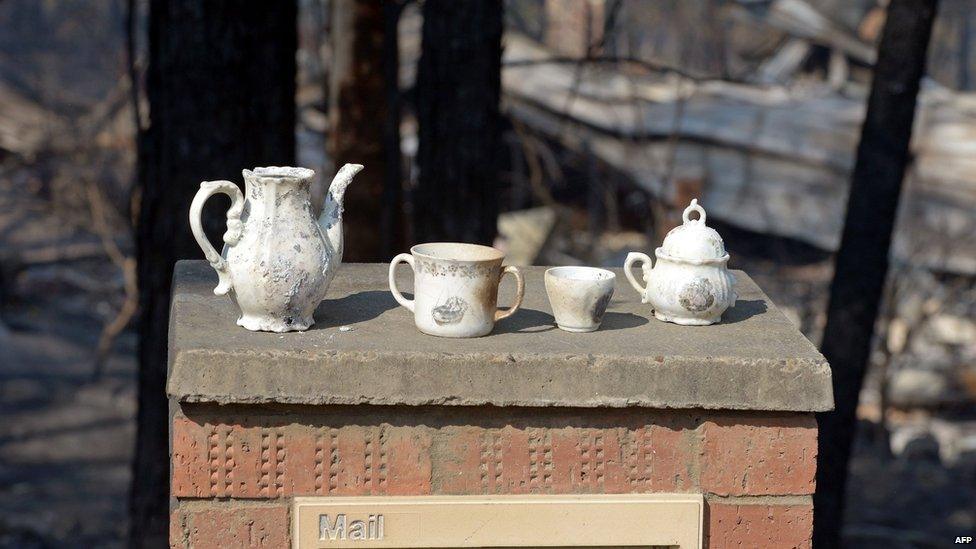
{"type": "Point", "coordinates": [225, 526]}
{"type": "Point", "coordinates": [740, 526]}
{"type": "Point", "coordinates": [606, 452]}
{"type": "Point", "coordinates": [774, 456]}
{"type": "Point", "coordinates": [756, 470]}
{"type": "Point", "coordinates": [271, 460]}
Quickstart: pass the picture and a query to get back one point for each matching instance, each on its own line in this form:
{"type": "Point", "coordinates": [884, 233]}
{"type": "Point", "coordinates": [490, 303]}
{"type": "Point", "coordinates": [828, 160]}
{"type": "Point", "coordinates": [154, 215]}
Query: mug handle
{"type": "Point", "coordinates": [519, 291]}
{"type": "Point", "coordinates": [637, 257]}
{"type": "Point", "coordinates": [234, 227]}
{"type": "Point", "coordinates": [400, 258]}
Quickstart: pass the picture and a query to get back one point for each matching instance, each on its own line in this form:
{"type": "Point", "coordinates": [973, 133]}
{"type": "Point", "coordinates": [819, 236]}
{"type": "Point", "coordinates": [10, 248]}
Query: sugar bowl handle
{"type": "Point", "coordinates": [645, 261]}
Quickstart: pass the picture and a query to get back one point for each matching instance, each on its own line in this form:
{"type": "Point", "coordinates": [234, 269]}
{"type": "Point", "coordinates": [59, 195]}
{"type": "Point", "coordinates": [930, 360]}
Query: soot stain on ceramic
{"type": "Point", "coordinates": [600, 307]}
{"type": "Point", "coordinates": [451, 312]}
{"type": "Point", "coordinates": [485, 294]}
{"type": "Point", "coordinates": [697, 295]}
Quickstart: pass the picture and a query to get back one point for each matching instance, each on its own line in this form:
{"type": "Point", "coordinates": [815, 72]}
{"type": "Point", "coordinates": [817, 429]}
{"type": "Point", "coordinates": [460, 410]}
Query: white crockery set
{"type": "Point", "coordinates": [278, 261]}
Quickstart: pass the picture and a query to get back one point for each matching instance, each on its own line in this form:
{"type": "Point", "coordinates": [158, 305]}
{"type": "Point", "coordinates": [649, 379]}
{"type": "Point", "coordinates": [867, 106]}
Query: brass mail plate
{"type": "Point", "coordinates": [640, 520]}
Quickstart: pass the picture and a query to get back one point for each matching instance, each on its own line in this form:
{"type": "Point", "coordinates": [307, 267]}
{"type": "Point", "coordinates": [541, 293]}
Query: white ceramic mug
{"type": "Point", "coordinates": [579, 296]}
{"type": "Point", "coordinates": [456, 288]}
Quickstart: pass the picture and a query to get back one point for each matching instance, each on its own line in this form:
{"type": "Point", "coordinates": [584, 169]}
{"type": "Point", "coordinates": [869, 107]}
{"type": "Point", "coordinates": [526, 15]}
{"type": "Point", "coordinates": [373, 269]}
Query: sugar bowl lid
{"type": "Point", "coordinates": [692, 240]}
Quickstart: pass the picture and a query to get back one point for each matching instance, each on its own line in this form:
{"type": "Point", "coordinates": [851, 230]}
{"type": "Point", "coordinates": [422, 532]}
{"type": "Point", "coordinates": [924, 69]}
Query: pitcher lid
{"type": "Point", "coordinates": [693, 240]}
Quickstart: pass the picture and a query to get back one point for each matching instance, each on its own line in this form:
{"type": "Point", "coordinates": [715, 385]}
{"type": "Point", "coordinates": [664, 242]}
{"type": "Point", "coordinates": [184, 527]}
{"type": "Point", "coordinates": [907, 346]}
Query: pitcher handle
{"type": "Point", "coordinates": [234, 227]}
{"type": "Point", "coordinates": [519, 291]}
{"type": "Point", "coordinates": [637, 257]}
{"type": "Point", "coordinates": [401, 258]}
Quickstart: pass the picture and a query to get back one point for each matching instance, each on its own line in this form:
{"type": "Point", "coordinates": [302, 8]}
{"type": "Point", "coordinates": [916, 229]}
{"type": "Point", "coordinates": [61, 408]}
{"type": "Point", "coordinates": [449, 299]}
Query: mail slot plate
{"type": "Point", "coordinates": [640, 520]}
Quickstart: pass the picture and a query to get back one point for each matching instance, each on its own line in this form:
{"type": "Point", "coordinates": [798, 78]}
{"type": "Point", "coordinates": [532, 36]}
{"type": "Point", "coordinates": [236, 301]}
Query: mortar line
{"type": "Point", "coordinates": [760, 500]}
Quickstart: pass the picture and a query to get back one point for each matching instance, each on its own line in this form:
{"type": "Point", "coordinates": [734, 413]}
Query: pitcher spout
{"type": "Point", "coordinates": [331, 219]}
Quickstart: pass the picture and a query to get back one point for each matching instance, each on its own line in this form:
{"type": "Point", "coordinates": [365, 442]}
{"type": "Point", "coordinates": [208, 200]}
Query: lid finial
{"type": "Point", "coordinates": [693, 207]}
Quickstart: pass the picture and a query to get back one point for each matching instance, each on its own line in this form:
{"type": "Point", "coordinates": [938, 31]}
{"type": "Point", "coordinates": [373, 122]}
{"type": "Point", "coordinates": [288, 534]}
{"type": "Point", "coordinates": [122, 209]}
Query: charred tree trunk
{"type": "Point", "coordinates": [862, 260]}
{"type": "Point", "coordinates": [458, 86]}
{"type": "Point", "coordinates": [221, 89]}
{"type": "Point", "coordinates": [364, 51]}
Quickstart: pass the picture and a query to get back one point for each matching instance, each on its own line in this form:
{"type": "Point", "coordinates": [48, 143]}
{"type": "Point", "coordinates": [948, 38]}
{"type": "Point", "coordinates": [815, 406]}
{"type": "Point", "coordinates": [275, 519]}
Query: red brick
{"type": "Point", "coordinates": [513, 461]}
{"type": "Point", "coordinates": [177, 535]}
{"type": "Point", "coordinates": [405, 465]}
{"type": "Point", "coordinates": [189, 458]}
{"type": "Point", "coordinates": [230, 527]}
{"type": "Point", "coordinates": [612, 471]}
{"type": "Point", "coordinates": [270, 461]}
{"type": "Point", "coordinates": [779, 526]}
{"type": "Point", "coordinates": [459, 452]}
{"type": "Point", "coordinates": [565, 463]}
{"type": "Point", "coordinates": [246, 478]}
{"type": "Point", "coordinates": [255, 457]}
{"type": "Point", "coordinates": [351, 470]}
{"type": "Point", "coordinates": [751, 455]}
{"type": "Point", "coordinates": [664, 459]}
{"type": "Point", "coordinates": [593, 459]}
{"type": "Point", "coordinates": [305, 458]}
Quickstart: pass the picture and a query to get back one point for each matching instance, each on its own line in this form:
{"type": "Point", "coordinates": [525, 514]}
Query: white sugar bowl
{"type": "Point", "coordinates": [690, 284]}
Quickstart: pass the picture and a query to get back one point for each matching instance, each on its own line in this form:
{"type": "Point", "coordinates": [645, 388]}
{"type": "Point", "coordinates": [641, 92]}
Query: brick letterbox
{"type": "Point", "coordinates": [716, 418]}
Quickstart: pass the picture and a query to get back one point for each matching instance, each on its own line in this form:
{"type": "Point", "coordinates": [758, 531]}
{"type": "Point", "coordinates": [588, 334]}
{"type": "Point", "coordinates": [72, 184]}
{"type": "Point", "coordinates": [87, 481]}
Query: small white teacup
{"type": "Point", "coordinates": [579, 296]}
{"type": "Point", "coordinates": [456, 288]}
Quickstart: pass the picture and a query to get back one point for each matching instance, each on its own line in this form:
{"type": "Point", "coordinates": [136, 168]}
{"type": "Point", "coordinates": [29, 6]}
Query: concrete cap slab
{"type": "Point", "coordinates": [755, 359]}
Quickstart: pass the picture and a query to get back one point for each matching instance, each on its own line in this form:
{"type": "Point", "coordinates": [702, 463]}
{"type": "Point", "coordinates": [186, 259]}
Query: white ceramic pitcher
{"type": "Point", "coordinates": [277, 261]}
